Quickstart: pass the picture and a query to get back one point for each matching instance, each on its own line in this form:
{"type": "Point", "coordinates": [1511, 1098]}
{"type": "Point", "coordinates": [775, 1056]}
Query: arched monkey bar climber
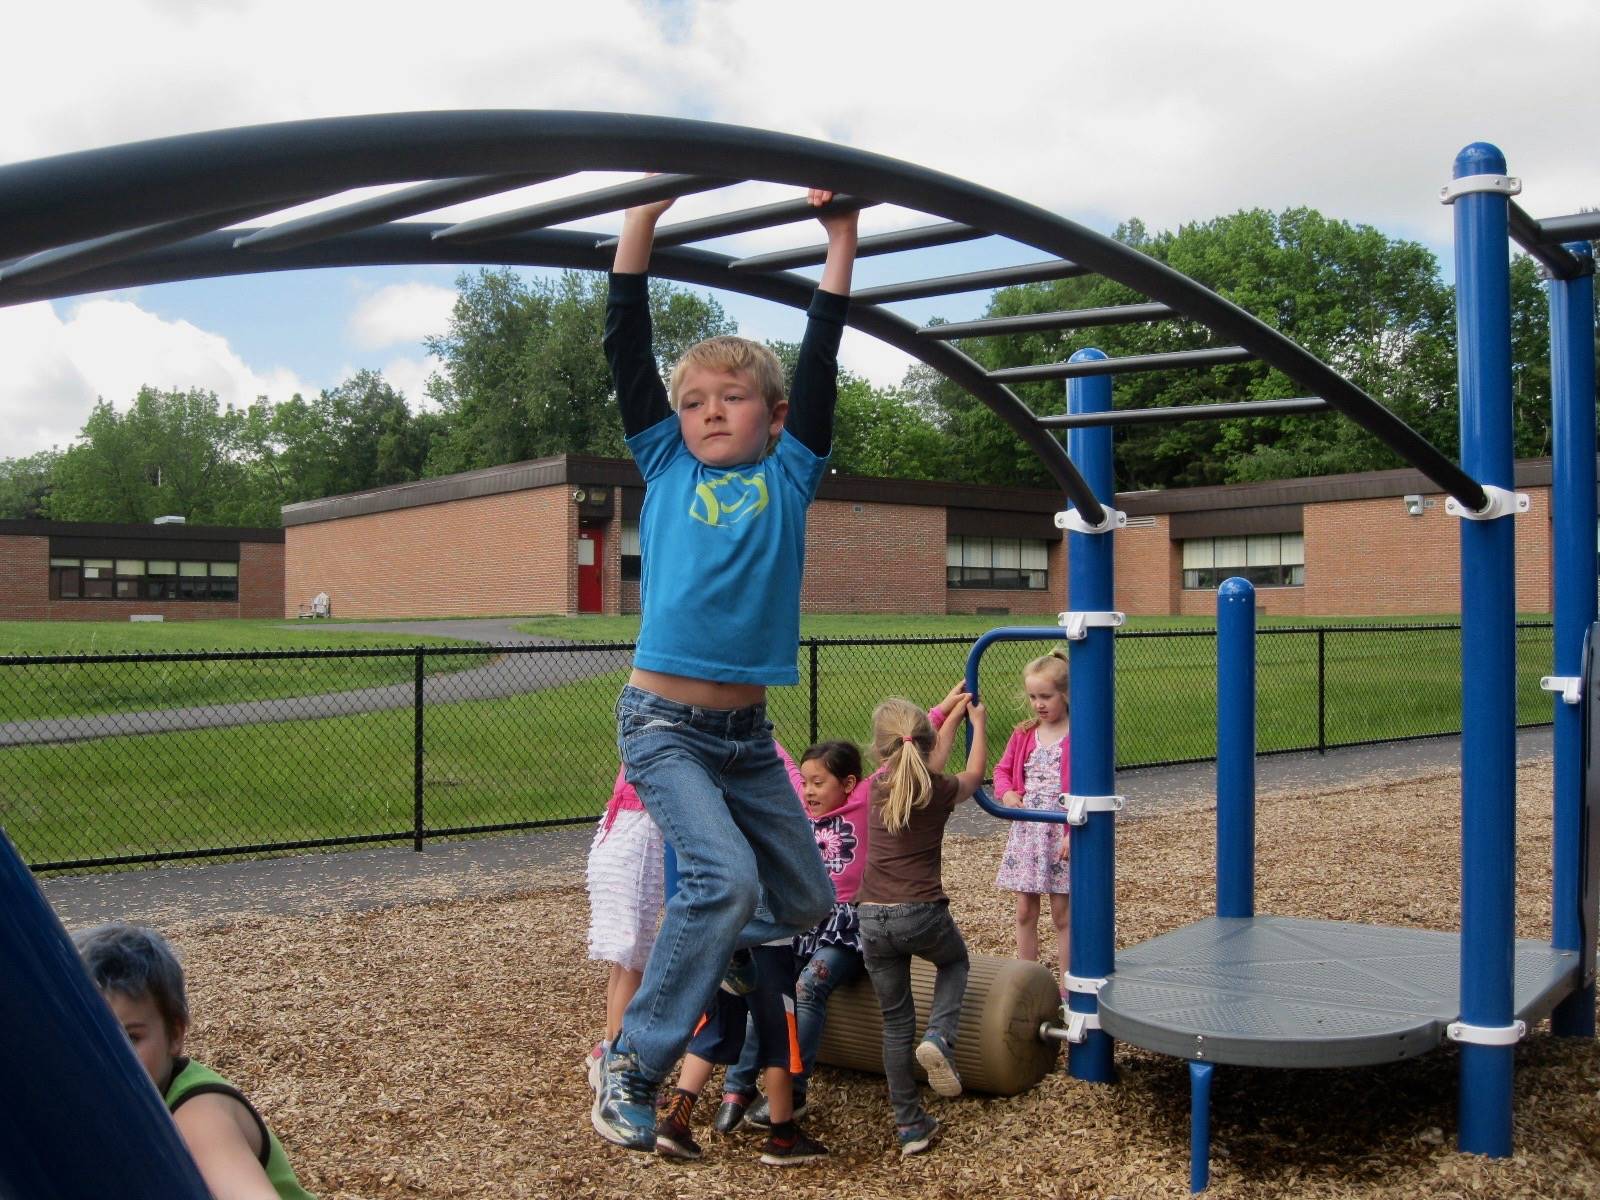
{"type": "Point", "coordinates": [175, 208]}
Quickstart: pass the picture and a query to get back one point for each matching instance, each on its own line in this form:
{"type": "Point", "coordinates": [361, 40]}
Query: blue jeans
{"type": "Point", "coordinates": [712, 781]}
{"type": "Point", "coordinates": [890, 935]}
{"type": "Point", "coordinates": [828, 968]}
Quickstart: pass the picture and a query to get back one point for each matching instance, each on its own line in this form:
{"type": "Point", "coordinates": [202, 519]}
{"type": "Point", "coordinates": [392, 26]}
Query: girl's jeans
{"type": "Point", "coordinates": [890, 935]}
{"type": "Point", "coordinates": [828, 968]}
{"type": "Point", "coordinates": [712, 781]}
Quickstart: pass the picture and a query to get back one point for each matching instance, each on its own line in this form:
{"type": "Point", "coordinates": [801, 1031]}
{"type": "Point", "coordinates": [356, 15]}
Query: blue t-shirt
{"type": "Point", "coordinates": [722, 551]}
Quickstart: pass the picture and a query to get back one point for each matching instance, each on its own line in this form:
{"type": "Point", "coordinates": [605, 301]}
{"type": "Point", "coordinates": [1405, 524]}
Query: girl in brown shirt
{"type": "Point", "coordinates": [902, 905]}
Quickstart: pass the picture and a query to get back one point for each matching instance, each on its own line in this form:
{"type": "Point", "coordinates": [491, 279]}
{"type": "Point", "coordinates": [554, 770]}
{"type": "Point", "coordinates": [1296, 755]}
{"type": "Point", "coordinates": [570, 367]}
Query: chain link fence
{"type": "Point", "coordinates": [111, 761]}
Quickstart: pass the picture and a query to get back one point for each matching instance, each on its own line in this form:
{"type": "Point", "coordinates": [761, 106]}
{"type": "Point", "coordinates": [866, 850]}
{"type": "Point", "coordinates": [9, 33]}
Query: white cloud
{"type": "Point", "coordinates": [401, 312]}
{"type": "Point", "coordinates": [409, 376]}
{"type": "Point", "coordinates": [57, 367]}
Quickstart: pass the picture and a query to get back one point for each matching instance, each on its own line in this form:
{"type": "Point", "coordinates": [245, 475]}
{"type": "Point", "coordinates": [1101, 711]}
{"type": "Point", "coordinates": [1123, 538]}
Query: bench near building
{"type": "Point", "coordinates": [560, 535]}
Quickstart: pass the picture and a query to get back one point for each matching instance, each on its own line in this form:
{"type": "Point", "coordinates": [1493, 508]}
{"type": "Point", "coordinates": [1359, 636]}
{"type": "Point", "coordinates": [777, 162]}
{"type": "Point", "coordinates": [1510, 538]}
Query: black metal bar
{"type": "Point", "coordinates": [575, 208]}
{"type": "Point", "coordinates": [417, 821]}
{"type": "Point", "coordinates": [1322, 691]}
{"type": "Point", "coordinates": [63, 261]}
{"type": "Point", "coordinates": [1185, 412]}
{"type": "Point", "coordinates": [920, 238]}
{"type": "Point", "coordinates": [815, 698]}
{"type": "Point", "coordinates": [376, 210]}
{"type": "Point", "coordinates": [1082, 318]}
{"type": "Point", "coordinates": [72, 197]}
{"type": "Point", "coordinates": [784, 212]}
{"type": "Point", "coordinates": [1575, 227]}
{"type": "Point", "coordinates": [972, 281]}
{"type": "Point", "coordinates": [1122, 366]}
{"type": "Point", "coordinates": [1529, 234]}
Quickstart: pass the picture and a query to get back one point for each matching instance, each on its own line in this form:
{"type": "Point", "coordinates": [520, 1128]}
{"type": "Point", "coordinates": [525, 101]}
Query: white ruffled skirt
{"type": "Point", "coordinates": [626, 877]}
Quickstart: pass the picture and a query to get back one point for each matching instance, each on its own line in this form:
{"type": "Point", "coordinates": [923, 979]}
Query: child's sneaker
{"type": "Point", "coordinates": [740, 977]}
{"type": "Point", "coordinates": [792, 1151]}
{"type": "Point", "coordinates": [731, 1113]}
{"type": "Point", "coordinates": [760, 1115]}
{"type": "Point", "coordinates": [934, 1055]}
{"type": "Point", "coordinates": [624, 1104]}
{"type": "Point", "coordinates": [594, 1065]}
{"type": "Point", "coordinates": [914, 1139]}
{"type": "Point", "coordinates": [673, 1136]}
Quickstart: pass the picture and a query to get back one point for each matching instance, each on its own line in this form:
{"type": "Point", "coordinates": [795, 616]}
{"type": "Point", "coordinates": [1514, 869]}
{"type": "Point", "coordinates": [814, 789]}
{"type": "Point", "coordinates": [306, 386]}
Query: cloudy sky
{"type": "Point", "coordinates": [1165, 110]}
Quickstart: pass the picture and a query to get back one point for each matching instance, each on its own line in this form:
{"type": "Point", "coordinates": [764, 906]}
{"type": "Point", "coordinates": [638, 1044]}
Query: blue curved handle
{"type": "Point", "coordinates": [1014, 633]}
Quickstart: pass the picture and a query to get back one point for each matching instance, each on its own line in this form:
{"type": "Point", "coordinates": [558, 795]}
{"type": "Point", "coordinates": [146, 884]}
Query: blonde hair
{"type": "Point", "coordinates": [1052, 666]}
{"type": "Point", "coordinates": [728, 353]}
{"type": "Point", "coordinates": [902, 739]}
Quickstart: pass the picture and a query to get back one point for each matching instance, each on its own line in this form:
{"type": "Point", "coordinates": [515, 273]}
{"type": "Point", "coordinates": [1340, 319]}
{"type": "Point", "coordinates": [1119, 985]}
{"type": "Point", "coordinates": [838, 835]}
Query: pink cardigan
{"type": "Point", "coordinates": [1010, 773]}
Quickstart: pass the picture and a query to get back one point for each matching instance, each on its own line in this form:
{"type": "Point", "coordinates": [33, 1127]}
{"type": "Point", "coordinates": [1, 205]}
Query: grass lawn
{"type": "Point", "coordinates": [71, 689]}
{"type": "Point", "coordinates": [550, 755]}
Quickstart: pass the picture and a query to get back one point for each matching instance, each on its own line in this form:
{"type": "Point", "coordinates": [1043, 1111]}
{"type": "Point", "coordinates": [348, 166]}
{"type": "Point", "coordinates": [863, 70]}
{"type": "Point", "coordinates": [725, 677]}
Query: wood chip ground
{"type": "Point", "coordinates": [433, 1048]}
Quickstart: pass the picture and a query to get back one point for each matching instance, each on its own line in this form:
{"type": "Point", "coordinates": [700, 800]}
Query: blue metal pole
{"type": "Point", "coordinates": [1093, 846]}
{"type": "Point", "coordinates": [82, 1117]}
{"type": "Point", "coordinates": [1488, 633]}
{"type": "Point", "coordinates": [1200, 1125]}
{"type": "Point", "coordinates": [1572, 501]}
{"type": "Point", "coordinates": [1236, 749]}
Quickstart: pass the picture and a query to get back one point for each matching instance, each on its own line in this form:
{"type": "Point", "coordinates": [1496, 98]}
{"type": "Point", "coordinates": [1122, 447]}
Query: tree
{"type": "Point", "coordinates": [25, 485]}
{"type": "Point", "coordinates": [524, 376]}
{"type": "Point", "coordinates": [1372, 307]}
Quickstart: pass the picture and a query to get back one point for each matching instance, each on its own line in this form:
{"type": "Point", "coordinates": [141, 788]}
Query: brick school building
{"type": "Point", "coordinates": [560, 535]}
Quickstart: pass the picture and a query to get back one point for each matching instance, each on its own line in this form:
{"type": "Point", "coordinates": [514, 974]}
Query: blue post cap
{"type": "Point", "coordinates": [1087, 354]}
{"type": "Point", "coordinates": [1480, 158]}
{"type": "Point", "coordinates": [1235, 590]}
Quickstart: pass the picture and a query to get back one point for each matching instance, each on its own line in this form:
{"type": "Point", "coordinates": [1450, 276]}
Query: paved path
{"type": "Point", "coordinates": [500, 675]}
{"type": "Point", "coordinates": [502, 866]}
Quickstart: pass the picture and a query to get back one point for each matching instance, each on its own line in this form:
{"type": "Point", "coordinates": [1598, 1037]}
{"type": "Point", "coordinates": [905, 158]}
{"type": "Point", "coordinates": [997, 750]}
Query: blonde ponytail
{"type": "Point", "coordinates": [902, 739]}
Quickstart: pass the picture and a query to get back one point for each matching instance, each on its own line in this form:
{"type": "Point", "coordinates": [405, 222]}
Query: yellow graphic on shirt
{"type": "Point", "coordinates": [729, 499]}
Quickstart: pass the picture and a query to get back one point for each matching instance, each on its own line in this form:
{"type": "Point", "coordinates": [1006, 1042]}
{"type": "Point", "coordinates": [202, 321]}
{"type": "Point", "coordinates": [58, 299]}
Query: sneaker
{"type": "Point", "coordinates": [760, 1115]}
{"type": "Point", "coordinates": [673, 1136]}
{"type": "Point", "coordinates": [914, 1139]}
{"type": "Point", "coordinates": [740, 977]}
{"type": "Point", "coordinates": [624, 1104]}
{"type": "Point", "coordinates": [594, 1065]}
{"type": "Point", "coordinates": [730, 1115]}
{"type": "Point", "coordinates": [934, 1056]}
{"type": "Point", "coordinates": [792, 1152]}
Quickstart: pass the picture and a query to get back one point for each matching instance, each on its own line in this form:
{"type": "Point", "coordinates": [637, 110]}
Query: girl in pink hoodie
{"type": "Point", "coordinates": [1033, 773]}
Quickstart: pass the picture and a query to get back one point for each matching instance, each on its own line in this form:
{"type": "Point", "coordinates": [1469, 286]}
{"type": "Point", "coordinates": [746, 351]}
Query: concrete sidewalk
{"type": "Point", "coordinates": [221, 893]}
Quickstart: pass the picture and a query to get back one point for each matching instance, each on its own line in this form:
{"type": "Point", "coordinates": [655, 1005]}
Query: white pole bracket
{"type": "Point", "coordinates": [1070, 520]}
{"type": "Point", "coordinates": [1487, 1035]}
{"type": "Point", "coordinates": [1505, 185]}
{"type": "Point", "coordinates": [1502, 503]}
{"type": "Point", "coordinates": [1079, 1024]}
{"type": "Point", "coordinates": [1077, 624]}
{"type": "Point", "coordinates": [1569, 687]}
{"type": "Point", "coordinates": [1079, 807]}
{"type": "Point", "coordinates": [1084, 985]}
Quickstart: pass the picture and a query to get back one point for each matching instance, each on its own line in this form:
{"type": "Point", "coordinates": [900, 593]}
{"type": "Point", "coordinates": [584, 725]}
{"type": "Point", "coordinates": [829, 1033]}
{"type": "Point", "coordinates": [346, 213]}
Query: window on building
{"type": "Point", "coordinates": [1265, 559]}
{"type": "Point", "coordinates": [984, 562]}
{"type": "Point", "coordinates": [142, 579]}
{"type": "Point", "coordinates": [630, 550]}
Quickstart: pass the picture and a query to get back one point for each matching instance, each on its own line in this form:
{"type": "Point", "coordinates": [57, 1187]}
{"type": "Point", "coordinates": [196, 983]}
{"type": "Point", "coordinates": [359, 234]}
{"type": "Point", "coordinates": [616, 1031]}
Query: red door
{"type": "Point", "coordinates": [590, 544]}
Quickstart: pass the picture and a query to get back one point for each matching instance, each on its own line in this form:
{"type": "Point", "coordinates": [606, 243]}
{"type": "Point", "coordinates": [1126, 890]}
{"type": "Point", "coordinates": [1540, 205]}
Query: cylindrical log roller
{"type": "Point", "coordinates": [998, 1047]}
